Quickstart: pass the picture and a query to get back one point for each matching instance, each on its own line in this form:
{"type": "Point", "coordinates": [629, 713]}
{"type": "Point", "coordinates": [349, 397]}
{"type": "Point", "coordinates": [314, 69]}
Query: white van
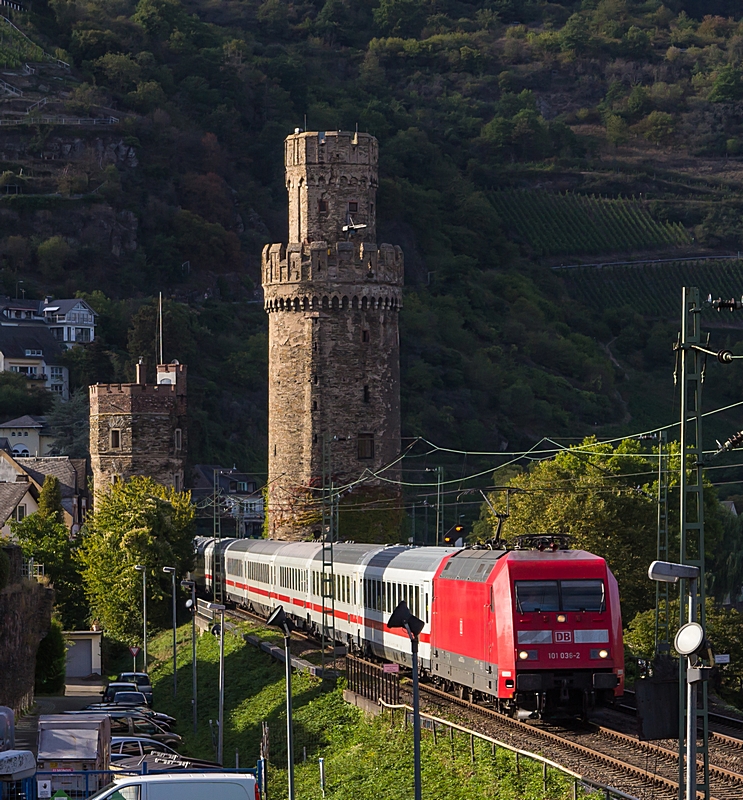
{"type": "Point", "coordinates": [182, 786]}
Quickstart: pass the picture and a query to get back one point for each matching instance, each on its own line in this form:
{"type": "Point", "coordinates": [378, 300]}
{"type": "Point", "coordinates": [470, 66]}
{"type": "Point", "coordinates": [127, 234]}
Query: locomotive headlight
{"type": "Point", "coordinates": [523, 654]}
{"type": "Point", "coordinates": [562, 618]}
{"type": "Point", "coordinates": [603, 654]}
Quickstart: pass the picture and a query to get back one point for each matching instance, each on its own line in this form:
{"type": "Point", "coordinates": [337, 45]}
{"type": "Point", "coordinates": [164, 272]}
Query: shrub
{"type": "Point", "coordinates": [51, 659]}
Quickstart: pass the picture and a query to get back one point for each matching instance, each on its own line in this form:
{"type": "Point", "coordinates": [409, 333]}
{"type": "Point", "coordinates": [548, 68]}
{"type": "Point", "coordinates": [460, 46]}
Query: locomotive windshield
{"type": "Point", "coordinates": [560, 596]}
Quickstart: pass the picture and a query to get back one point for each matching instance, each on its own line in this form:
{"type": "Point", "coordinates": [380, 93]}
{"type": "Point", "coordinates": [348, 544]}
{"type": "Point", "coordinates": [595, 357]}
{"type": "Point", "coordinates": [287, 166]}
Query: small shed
{"type": "Point", "coordinates": [83, 653]}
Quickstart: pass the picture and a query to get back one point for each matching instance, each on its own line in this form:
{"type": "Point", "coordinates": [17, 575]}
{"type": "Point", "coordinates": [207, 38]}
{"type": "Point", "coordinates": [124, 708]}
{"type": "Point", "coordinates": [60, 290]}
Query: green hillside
{"type": "Point", "coordinates": [511, 132]}
{"type": "Point", "coordinates": [571, 224]}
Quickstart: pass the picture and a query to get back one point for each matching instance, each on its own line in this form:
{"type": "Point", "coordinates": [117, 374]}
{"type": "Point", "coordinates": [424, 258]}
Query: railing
{"type": "Point", "coordinates": [371, 681]}
{"type": "Point", "coordinates": [36, 105]}
{"type": "Point", "coordinates": [61, 121]}
{"type": "Point", "coordinates": [31, 569]}
{"type": "Point", "coordinates": [8, 89]}
{"type": "Point", "coordinates": [432, 723]}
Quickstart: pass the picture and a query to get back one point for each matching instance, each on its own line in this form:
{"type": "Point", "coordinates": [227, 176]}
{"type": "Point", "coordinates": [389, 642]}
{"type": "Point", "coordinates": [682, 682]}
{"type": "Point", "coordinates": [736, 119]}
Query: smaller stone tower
{"type": "Point", "coordinates": [139, 429]}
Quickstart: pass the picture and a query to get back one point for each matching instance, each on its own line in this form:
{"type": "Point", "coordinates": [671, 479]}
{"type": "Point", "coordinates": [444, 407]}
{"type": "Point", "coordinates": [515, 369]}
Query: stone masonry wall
{"type": "Point", "coordinates": [25, 617]}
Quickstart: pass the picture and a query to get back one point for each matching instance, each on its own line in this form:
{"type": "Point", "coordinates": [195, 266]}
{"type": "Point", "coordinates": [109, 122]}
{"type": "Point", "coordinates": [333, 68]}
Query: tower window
{"type": "Point", "coordinates": [365, 337]}
{"type": "Point", "coordinates": [314, 405]}
{"type": "Point", "coordinates": [177, 482]}
{"type": "Point", "coordinates": [322, 206]}
{"type": "Point", "coordinates": [366, 394]}
{"type": "Point", "coordinates": [178, 438]}
{"type": "Point", "coordinates": [365, 446]}
{"type": "Point", "coordinates": [353, 207]}
{"type": "Point", "coordinates": [115, 439]}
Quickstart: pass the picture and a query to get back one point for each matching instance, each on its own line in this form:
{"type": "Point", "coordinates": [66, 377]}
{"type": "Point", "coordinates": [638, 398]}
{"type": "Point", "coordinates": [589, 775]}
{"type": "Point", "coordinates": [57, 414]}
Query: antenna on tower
{"type": "Point", "coordinates": [160, 328]}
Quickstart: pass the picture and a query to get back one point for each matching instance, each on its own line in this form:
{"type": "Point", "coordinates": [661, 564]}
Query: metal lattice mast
{"type": "Point", "coordinates": [662, 590]}
{"type": "Point", "coordinates": [329, 528]}
{"type": "Point", "coordinates": [692, 509]}
{"type": "Point", "coordinates": [218, 588]}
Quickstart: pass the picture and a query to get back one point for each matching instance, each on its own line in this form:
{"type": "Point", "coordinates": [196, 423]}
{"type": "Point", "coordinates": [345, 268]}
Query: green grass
{"type": "Point", "coordinates": [653, 290]}
{"type": "Point", "coordinates": [364, 757]}
{"type": "Point", "coordinates": [571, 224]}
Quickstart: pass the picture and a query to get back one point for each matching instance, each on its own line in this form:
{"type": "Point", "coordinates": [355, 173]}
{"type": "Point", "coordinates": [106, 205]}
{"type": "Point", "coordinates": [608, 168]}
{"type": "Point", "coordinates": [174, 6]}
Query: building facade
{"type": "Point", "coordinates": [333, 298]}
{"type": "Point", "coordinates": [140, 429]}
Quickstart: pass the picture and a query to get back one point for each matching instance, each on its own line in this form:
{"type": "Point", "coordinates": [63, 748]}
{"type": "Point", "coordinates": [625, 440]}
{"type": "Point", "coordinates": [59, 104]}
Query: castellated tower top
{"type": "Point", "coordinates": [331, 178]}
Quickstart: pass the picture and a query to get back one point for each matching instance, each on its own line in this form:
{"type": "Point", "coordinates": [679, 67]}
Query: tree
{"type": "Point", "coordinates": [18, 398]}
{"type": "Point", "coordinates": [53, 255]}
{"type": "Point", "coordinates": [134, 522]}
{"type": "Point", "coordinates": [728, 85]}
{"type": "Point", "coordinates": [592, 492]}
{"type": "Point", "coordinates": [51, 660]}
{"type": "Point", "coordinates": [50, 500]}
{"type": "Point", "coordinates": [48, 542]}
{"type": "Point", "coordinates": [69, 424]}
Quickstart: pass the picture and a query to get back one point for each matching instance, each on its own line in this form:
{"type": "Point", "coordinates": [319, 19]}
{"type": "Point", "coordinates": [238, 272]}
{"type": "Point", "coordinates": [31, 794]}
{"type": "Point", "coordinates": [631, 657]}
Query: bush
{"type": "Point", "coordinates": [51, 659]}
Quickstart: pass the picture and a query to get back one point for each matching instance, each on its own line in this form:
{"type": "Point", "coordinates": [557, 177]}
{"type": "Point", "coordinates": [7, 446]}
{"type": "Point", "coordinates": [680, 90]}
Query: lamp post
{"type": "Point", "coordinates": [191, 605]}
{"type": "Point", "coordinates": [143, 569]}
{"type": "Point", "coordinates": [689, 641]}
{"type": "Point", "coordinates": [402, 617]}
{"type": "Point", "coordinates": [171, 571]}
{"type": "Point", "coordinates": [220, 734]}
{"type": "Point", "coordinates": [278, 619]}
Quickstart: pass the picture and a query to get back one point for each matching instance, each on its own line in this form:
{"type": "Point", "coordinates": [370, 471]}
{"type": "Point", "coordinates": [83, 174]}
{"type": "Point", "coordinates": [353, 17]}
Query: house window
{"type": "Point", "coordinates": [25, 433]}
{"type": "Point", "coordinates": [57, 388]}
{"type": "Point", "coordinates": [242, 486]}
{"type": "Point", "coordinates": [57, 333]}
{"type": "Point", "coordinates": [56, 373]}
{"type": "Point", "coordinates": [178, 439]}
{"type": "Point", "coordinates": [115, 439]}
{"type": "Point", "coordinates": [366, 394]}
{"type": "Point", "coordinates": [365, 337]}
{"type": "Point", "coordinates": [365, 446]}
{"type": "Point", "coordinates": [30, 353]}
{"type": "Point", "coordinates": [82, 334]}
{"type": "Point", "coordinates": [322, 206]}
{"type": "Point", "coordinates": [20, 512]}
{"type": "Point", "coordinates": [353, 207]}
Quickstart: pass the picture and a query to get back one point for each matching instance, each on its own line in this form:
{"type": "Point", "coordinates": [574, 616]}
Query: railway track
{"type": "Point", "coordinates": [644, 768]}
{"type": "Point", "coordinates": [649, 770]}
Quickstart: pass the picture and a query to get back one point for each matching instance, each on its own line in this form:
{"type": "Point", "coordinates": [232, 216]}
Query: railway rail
{"type": "Point", "coordinates": [643, 768]}
{"type": "Point", "coordinates": [617, 758]}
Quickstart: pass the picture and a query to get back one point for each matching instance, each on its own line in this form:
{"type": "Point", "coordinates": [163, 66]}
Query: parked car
{"type": "Point", "coordinates": [128, 746]}
{"type": "Point", "coordinates": [130, 723]}
{"type": "Point", "coordinates": [164, 720]}
{"type": "Point", "coordinates": [142, 679]}
{"type": "Point", "coordinates": [118, 686]}
{"type": "Point", "coordinates": [130, 699]}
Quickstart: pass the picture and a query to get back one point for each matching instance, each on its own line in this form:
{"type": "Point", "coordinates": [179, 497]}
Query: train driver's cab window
{"type": "Point", "coordinates": [537, 596]}
{"type": "Point", "coordinates": [583, 595]}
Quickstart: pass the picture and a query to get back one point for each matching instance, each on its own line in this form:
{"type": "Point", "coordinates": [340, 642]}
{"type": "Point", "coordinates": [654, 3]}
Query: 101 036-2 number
{"type": "Point", "coordinates": [566, 655]}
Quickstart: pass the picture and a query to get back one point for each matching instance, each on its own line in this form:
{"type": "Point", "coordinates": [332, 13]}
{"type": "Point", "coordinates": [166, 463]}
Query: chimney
{"type": "Point", "coordinates": [140, 370]}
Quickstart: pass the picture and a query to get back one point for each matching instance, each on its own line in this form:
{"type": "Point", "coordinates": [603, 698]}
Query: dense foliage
{"type": "Point", "coordinates": [51, 661]}
{"type": "Point", "coordinates": [137, 522]}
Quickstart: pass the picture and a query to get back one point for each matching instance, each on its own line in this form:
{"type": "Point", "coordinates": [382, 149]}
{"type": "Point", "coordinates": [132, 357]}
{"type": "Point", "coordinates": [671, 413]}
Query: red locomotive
{"type": "Point", "coordinates": [539, 631]}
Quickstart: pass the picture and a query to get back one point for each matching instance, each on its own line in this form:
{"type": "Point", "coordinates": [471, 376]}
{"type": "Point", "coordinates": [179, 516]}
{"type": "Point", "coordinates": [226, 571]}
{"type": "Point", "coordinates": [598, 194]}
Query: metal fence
{"type": "Point", "coordinates": [81, 785]}
{"type": "Point", "coordinates": [581, 784]}
{"type": "Point", "coordinates": [371, 681]}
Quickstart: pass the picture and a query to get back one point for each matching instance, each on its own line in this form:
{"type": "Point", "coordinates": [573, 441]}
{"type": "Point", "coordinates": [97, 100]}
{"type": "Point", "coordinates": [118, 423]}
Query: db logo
{"type": "Point", "coordinates": [563, 636]}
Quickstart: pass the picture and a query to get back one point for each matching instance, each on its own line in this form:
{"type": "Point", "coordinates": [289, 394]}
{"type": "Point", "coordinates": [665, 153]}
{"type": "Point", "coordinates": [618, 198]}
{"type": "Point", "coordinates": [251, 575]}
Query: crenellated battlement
{"type": "Point", "coordinates": [325, 265]}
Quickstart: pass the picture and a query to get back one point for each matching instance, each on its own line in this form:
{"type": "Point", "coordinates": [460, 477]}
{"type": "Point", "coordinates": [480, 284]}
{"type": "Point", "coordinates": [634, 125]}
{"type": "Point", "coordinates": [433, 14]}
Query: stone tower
{"type": "Point", "coordinates": [139, 429]}
{"type": "Point", "coordinates": [333, 297]}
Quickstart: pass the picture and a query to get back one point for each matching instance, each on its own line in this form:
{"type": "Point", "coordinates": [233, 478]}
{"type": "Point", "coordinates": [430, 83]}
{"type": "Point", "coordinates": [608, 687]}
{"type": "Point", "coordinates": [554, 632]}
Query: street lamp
{"type": "Point", "coordinates": [171, 571]}
{"type": "Point", "coordinates": [689, 641]}
{"type": "Point", "coordinates": [191, 606]}
{"type": "Point", "coordinates": [403, 617]}
{"type": "Point", "coordinates": [279, 620]}
{"type": "Point", "coordinates": [143, 569]}
{"type": "Point", "coordinates": [220, 740]}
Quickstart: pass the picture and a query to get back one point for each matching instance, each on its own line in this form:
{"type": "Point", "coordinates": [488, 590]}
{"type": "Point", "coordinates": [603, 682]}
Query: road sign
{"type": "Point", "coordinates": [43, 789]}
{"type": "Point", "coordinates": [134, 651]}
{"type": "Point", "coordinates": [391, 667]}
{"type": "Point", "coordinates": [722, 658]}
